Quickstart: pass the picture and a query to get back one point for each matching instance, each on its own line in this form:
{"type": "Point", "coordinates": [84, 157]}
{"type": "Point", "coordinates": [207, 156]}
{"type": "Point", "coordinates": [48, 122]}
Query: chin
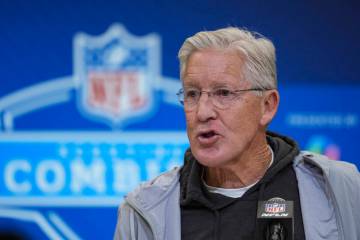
{"type": "Point", "coordinates": [209, 157]}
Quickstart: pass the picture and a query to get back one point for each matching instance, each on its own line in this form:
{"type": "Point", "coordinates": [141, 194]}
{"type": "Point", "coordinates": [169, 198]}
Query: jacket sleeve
{"type": "Point", "coordinates": [344, 180]}
{"type": "Point", "coordinates": [125, 227]}
{"type": "Point", "coordinates": [346, 183]}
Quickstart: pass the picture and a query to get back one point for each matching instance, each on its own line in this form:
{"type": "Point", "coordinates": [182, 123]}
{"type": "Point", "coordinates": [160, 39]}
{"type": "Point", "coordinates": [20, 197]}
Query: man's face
{"type": "Point", "coordinates": [220, 137]}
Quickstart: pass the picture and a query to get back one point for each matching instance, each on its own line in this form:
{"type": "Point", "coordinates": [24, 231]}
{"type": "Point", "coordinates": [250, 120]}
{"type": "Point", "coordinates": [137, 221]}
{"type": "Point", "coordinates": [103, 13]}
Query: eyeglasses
{"type": "Point", "coordinates": [222, 98]}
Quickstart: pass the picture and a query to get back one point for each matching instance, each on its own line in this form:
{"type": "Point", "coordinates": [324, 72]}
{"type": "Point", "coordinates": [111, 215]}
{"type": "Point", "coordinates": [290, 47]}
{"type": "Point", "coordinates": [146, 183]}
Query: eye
{"type": "Point", "coordinates": [223, 92]}
{"type": "Point", "coordinates": [191, 93]}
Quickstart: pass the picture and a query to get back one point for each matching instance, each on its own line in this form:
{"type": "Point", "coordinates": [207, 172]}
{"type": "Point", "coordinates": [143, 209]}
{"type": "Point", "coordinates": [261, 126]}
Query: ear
{"type": "Point", "coordinates": [270, 103]}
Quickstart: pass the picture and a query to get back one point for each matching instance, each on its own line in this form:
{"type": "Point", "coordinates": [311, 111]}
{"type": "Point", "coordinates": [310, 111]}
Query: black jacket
{"type": "Point", "coordinates": [206, 215]}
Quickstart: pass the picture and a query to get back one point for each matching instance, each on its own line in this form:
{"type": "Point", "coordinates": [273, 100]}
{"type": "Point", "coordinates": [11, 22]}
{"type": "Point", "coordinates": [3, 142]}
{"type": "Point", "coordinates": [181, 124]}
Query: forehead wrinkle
{"type": "Point", "coordinates": [217, 71]}
{"type": "Point", "coordinates": [215, 80]}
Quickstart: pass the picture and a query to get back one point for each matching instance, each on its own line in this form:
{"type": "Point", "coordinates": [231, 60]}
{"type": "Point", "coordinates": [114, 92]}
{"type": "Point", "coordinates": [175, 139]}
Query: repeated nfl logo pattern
{"type": "Point", "coordinates": [116, 73]}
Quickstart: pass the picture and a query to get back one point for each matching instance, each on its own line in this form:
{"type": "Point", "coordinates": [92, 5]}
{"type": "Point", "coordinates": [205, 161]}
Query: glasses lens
{"type": "Point", "coordinates": [222, 97]}
{"type": "Point", "coordinates": [191, 96]}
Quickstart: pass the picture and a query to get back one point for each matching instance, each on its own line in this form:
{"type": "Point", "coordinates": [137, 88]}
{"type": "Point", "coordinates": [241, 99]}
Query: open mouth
{"type": "Point", "coordinates": [208, 134]}
{"type": "Point", "coordinates": [208, 138]}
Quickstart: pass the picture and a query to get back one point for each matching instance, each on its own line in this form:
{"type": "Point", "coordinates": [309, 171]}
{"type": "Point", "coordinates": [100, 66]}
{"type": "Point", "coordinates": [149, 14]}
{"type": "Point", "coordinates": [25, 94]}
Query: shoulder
{"type": "Point", "coordinates": [163, 181]}
{"type": "Point", "coordinates": [148, 203]}
{"type": "Point", "coordinates": [336, 171]}
{"type": "Point", "coordinates": [153, 191]}
{"type": "Point", "coordinates": [339, 184]}
{"type": "Point", "coordinates": [325, 163]}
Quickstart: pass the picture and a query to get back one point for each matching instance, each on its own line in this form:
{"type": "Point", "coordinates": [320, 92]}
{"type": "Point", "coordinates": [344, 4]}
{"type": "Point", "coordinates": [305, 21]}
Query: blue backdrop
{"type": "Point", "coordinates": [88, 107]}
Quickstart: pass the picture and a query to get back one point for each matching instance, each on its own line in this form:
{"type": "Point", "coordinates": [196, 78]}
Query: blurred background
{"type": "Point", "coordinates": [88, 107]}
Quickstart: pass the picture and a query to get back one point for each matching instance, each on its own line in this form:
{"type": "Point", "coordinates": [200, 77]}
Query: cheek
{"type": "Point", "coordinates": [188, 119]}
{"type": "Point", "coordinates": [243, 121]}
{"type": "Point", "coordinates": [190, 122]}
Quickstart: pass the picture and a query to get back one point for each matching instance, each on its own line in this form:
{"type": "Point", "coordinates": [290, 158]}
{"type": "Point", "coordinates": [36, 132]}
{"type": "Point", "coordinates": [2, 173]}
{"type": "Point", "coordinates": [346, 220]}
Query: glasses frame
{"type": "Point", "coordinates": [181, 98]}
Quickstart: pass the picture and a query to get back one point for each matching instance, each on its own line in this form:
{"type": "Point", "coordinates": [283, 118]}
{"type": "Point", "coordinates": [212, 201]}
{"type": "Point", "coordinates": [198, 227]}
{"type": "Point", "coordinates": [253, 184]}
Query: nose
{"type": "Point", "coordinates": [205, 109]}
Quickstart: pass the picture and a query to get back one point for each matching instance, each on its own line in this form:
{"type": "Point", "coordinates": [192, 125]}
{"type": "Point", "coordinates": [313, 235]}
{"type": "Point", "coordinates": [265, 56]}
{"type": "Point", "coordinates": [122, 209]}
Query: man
{"type": "Point", "coordinates": [230, 96]}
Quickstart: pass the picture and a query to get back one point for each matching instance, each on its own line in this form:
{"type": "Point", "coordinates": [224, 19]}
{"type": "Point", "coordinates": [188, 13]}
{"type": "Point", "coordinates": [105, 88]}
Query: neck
{"type": "Point", "coordinates": [246, 170]}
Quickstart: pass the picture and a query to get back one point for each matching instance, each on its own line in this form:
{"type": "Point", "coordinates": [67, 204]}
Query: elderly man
{"type": "Point", "coordinates": [230, 96]}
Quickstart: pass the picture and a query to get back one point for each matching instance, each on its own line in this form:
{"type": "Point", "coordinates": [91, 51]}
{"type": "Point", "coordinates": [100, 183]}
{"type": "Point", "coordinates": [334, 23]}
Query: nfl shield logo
{"type": "Point", "coordinates": [275, 207]}
{"type": "Point", "coordinates": [116, 74]}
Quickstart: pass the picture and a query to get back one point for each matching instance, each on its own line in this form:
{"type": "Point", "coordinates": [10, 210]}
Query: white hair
{"type": "Point", "coordinates": [257, 51]}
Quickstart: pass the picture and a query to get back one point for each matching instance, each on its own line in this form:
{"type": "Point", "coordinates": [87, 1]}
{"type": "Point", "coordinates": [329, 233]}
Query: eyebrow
{"type": "Point", "coordinates": [222, 85]}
